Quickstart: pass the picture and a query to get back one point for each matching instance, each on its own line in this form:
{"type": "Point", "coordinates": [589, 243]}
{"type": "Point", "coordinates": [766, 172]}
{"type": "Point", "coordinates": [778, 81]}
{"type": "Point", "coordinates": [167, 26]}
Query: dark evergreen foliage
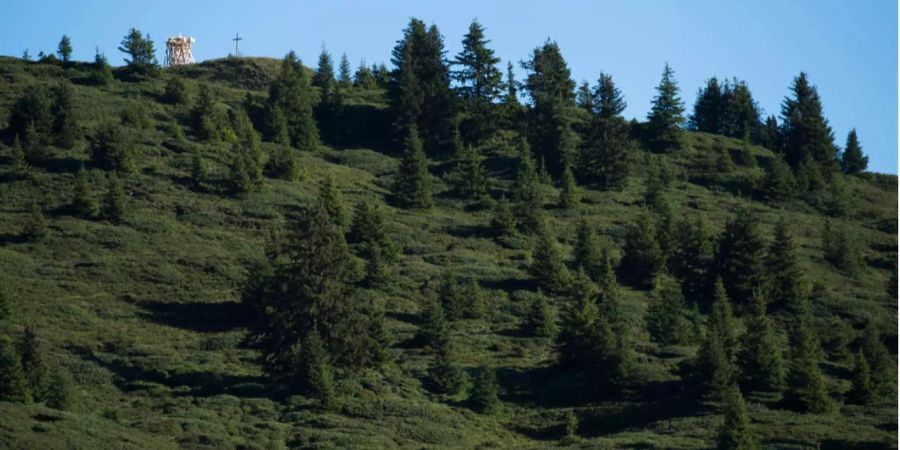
{"type": "Point", "coordinates": [141, 55]}
{"type": "Point", "coordinates": [735, 433]}
{"type": "Point", "coordinates": [14, 386]}
{"type": "Point", "coordinates": [853, 160]}
{"type": "Point", "coordinates": [114, 201]}
{"type": "Point", "coordinates": [36, 225]}
{"type": "Point", "coordinates": [741, 255]}
{"type": "Point", "coordinates": [759, 359]}
{"type": "Point", "coordinates": [479, 83]}
{"type": "Point", "coordinates": [665, 118]}
{"type": "Point", "coordinates": [642, 257]}
{"type": "Point", "coordinates": [666, 319]}
{"type": "Point", "coordinates": [485, 390]}
{"type": "Point", "coordinates": [64, 50]}
{"type": "Point", "coordinates": [419, 87]}
{"type": "Point", "coordinates": [291, 94]}
{"type": "Point", "coordinates": [309, 287]}
{"type": "Point", "coordinates": [546, 266]}
{"type": "Point", "coordinates": [412, 185]}
{"type": "Point", "coordinates": [551, 89]}
{"type": "Point", "coordinates": [805, 130]}
{"type": "Point", "coordinates": [83, 202]}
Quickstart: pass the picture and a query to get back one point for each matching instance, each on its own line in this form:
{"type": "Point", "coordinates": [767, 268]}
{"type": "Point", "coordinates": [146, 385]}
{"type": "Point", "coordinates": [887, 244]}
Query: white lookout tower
{"type": "Point", "coordinates": [178, 50]}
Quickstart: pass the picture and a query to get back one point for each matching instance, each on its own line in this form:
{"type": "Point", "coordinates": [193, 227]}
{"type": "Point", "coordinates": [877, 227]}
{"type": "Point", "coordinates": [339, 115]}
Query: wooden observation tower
{"type": "Point", "coordinates": [178, 50]}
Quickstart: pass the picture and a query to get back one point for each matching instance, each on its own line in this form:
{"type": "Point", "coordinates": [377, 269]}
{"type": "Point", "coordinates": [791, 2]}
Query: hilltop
{"type": "Point", "coordinates": [145, 312]}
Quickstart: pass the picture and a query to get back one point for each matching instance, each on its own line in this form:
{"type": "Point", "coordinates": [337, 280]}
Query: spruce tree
{"type": "Point", "coordinates": [577, 337]}
{"type": "Point", "coordinates": [527, 192]}
{"type": "Point", "coordinates": [282, 164]}
{"type": "Point", "coordinates": [34, 365]}
{"type": "Point", "coordinates": [451, 295]}
{"type": "Point", "coordinates": [101, 73]}
{"type": "Point", "coordinates": [735, 433]}
{"type": "Point", "coordinates": [332, 202]}
{"type": "Point", "coordinates": [780, 184]}
{"type": "Point", "coordinates": [141, 55]}
{"type": "Point", "coordinates": [806, 131]}
{"type": "Point", "coordinates": [412, 186]}
{"type": "Point", "coordinates": [614, 360]}
{"type": "Point", "coordinates": [20, 166]}
{"type": "Point", "coordinates": [504, 221]}
{"type": "Point", "coordinates": [59, 393]}
{"type": "Point", "coordinates": [469, 179]}
{"type": "Point", "coordinates": [291, 93]}
{"type": "Point", "coordinates": [474, 304]}
{"type": "Point", "coordinates": [841, 249]}
{"type": "Point", "coordinates": [510, 106]}
{"type": "Point", "coordinates": [6, 304]}
{"type": "Point", "coordinates": [114, 201]}
{"type": "Point", "coordinates": [741, 116]}
{"type": "Point", "coordinates": [83, 203]}
{"type": "Point", "coordinates": [324, 77]}
{"type": "Point", "coordinates": [708, 108]}
{"type": "Point", "coordinates": [377, 273]}
{"type": "Point", "coordinates": [345, 79]}
{"type": "Point", "coordinates": [64, 50]}
{"type": "Point", "coordinates": [715, 360]}
{"type": "Point", "coordinates": [310, 286]}
{"type": "Point", "coordinates": [111, 149]}
{"type": "Point", "coordinates": [551, 89]}
{"type": "Point", "coordinates": [606, 152]}
{"type": "Point", "coordinates": [239, 175]}
{"type": "Point", "coordinates": [759, 359]}
{"type": "Point", "coordinates": [692, 259]}
{"type": "Point", "coordinates": [609, 101]}
{"type": "Point", "coordinates": [741, 255]}
{"type": "Point", "coordinates": [547, 267]}
{"type": "Point", "coordinates": [484, 395]}
{"type": "Point", "coordinates": [642, 258]}
{"type": "Point", "coordinates": [541, 319]}
{"type": "Point", "coordinates": [584, 98]}
{"type": "Point", "coordinates": [770, 135]}
{"type": "Point", "coordinates": [853, 160]}
{"type": "Point", "coordinates": [568, 195]}
{"type": "Point", "coordinates": [667, 314]}
{"type": "Point", "coordinates": [36, 225]}
{"type": "Point", "coordinates": [588, 254]}
{"type": "Point", "coordinates": [315, 372]}
{"type": "Point", "coordinates": [862, 391]}
{"type": "Point", "coordinates": [65, 128]}
{"type": "Point", "coordinates": [368, 226]}
{"type": "Point", "coordinates": [478, 83]}
{"type": "Point", "coordinates": [665, 117]}
{"type": "Point", "coordinates": [881, 365]}
{"type": "Point", "coordinates": [199, 169]}
{"type": "Point", "coordinates": [446, 376]}
{"type": "Point", "coordinates": [363, 77]}
{"type": "Point", "coordinates": [806, 389]}
{"type": "Point", "coordinates": [784, 274]}
{"type": "Point", "coordinates": [31, 118]}
{"type": "Point", "coordinates": [14, 385]}
{"type": "Point", "coordinates": [419, 88]}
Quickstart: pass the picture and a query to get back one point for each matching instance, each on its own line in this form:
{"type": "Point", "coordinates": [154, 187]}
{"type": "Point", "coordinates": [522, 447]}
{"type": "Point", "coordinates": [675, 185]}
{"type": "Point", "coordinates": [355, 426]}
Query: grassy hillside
{"type": "Point", "coordinates": [145, 314]}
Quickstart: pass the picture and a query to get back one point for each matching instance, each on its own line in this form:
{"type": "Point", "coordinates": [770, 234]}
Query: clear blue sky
{"type": "Point", "coordinates": [848, 48]}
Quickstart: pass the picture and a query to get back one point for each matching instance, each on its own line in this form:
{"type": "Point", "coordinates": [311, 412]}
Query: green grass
{"type": "Point", "coordinates": [144, 314]}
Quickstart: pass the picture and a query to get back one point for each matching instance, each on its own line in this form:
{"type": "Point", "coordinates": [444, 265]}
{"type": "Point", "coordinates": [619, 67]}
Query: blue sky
{"type": "Point", "coordinates": [848, 48]}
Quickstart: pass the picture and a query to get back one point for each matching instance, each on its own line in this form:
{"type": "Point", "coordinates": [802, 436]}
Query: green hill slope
{"type": "Point", "coordinates": [146, 316]}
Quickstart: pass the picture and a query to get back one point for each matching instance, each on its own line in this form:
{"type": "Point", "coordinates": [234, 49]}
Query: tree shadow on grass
{"type": "Point", "coordinates": [134, 377]}
{"type": "Point", "coordinates": [634, 406]}
{"type": "Point", "coordinates": [469, 231]}
{"type": "Point", "coordinates": [201, 317]}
